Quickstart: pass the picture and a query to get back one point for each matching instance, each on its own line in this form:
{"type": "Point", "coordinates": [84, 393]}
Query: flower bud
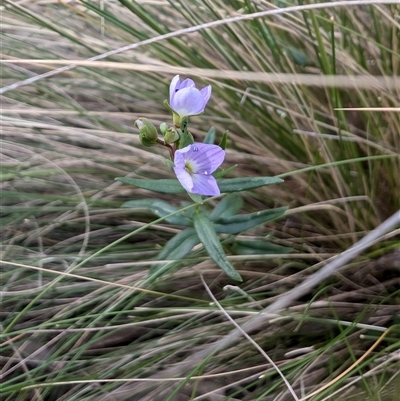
{"type": "Point", "coordinates": [163, 128]}
{"type": "Point", "coordinates": [147, 130]}
{"type": "Point", "coordinates": [145, 142]}
{"type": "Point", "coordinates": [171, 135]}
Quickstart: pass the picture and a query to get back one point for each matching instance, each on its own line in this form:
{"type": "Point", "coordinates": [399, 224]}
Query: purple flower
{"type": "Point", "coordinates": [194, 165]}
{"type": "Point", "coordinates": [185, 99]}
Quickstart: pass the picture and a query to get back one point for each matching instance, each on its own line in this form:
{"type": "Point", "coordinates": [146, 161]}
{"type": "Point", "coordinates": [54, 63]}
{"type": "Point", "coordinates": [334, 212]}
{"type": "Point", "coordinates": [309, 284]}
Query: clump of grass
{"type": "Point", "coordinates": [78, 320]}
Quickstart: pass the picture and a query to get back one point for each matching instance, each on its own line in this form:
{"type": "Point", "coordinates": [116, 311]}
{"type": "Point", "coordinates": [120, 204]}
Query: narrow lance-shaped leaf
{"type": "Point", "coordinates": [160, 208]}
{"type": "Point", "coordinates": [209, 238]}
{"type": "Point", "coordinates": [224, 139]}
{"type": "Point", "coordinates": [177, 247]}
{"type": "Point", "coordinates": [258, 247]}
{"type": "Point", "coordinates": [196, 198]}
{"type": "Point", "coordinates": [242, 184]}
{"type": "Point", "coordinates": [172, 186]}
{"type": "Point", "coordinates": [210, 136]}
{"type": "Point", "coordinates": [220, 172]}
{"type": "Point", "coordinates": [227, 207]}
{"type": "Point", "coordinates": [242, 222]}
{"type": "Point", "coordinates": [165, 186]}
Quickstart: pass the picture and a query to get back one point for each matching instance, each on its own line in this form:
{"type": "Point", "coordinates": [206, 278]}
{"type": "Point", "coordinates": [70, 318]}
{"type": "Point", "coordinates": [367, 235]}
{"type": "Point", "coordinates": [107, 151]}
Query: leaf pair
{"type": "Point", "coordinates": [204, 228]}
{"type": "Point", "coordinates": [227, 185]}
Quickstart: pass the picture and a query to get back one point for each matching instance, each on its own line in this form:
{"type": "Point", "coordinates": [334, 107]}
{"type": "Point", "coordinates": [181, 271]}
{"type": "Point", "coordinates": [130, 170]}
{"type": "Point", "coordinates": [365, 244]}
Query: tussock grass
{"type": "Point", "coordinates": [79, 319]}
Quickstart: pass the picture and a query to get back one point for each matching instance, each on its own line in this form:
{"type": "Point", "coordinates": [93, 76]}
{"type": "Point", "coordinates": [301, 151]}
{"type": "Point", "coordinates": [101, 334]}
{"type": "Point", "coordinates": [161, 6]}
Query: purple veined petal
{"type": "Point", "coordinates": [173, 86]}
{"type": "Point", "coordinates": [180, 156]}
{"type": "Point", "coordinates": [184, 150]}
{"type": "Point", "coordinates": [201, 160]}
{"type": "Point", "coordinates": [206, 92]}
{"type": "Point", "coordinates": [187, 102]}
{"type": "Point", "coordinates": [187, 83]}
{"type": "Point", "coordinates": [184, 178]}
{"type": "Point", "coordinates": [204, 185]}
{"type": "Point", "coordinates": [207, 158]}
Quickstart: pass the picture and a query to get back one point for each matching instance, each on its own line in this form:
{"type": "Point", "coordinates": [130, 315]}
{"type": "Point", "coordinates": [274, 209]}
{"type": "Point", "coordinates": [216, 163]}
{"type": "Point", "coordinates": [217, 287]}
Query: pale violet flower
{"type": "Point", "coordinates": [194, 165]}
{"type": "Point", "coordinates": [185, 99]}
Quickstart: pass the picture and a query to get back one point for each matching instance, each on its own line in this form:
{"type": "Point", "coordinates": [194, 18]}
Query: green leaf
{"type": "Point", "coordinates": [186, 138]}
{"type": "Point", "coordinates": [210, 136]}
{"type": "Point", "coordinates": [172, 186]}
{"type": "Point", "coordinates": [221, 172]}
{"type": "Point", "coordinates": [228, 206]}
{"type": "Point", "coordinates": [160, 208]}
{"type": "Point", "coordinates": [177, 247]}
{"type": "Point", "coordinates": [187, 141]}
{"type": "Point", "coordinates": [222, 144]}
{"type": "Point", "coordinates": [241, 184]}
{"type": "Point", "coordinates": [209, 238]}
{"type": "Point", "coordinates": [297, 55]}
{"type": "Point", "coordinates": [196, 198]}
{"type": "Point", "coordinates": [257, 247]}
{"type": "Point", "coordinates": [242, 222]}
{"type": "Point", "coordinates": [165, 186]}
{"type": "Point", "coordinates": [167, 106]}
{"type": "Point", "coordinates": [169, 163]}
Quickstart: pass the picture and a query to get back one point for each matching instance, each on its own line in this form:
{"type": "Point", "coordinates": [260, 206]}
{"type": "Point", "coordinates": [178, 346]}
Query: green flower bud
{"type": "Point", "coordinates": [171, 135]}
{"type": "Point", "coordinates": [163, 128]}
{"type": "Point", "coordinates": [147, 129]}
{"type": "Point", "coordinates": [145, 142]}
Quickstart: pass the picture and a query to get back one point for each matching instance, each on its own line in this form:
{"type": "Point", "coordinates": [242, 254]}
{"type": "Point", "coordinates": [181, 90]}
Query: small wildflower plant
{"type": "Point", "coordinates": [198, 171]}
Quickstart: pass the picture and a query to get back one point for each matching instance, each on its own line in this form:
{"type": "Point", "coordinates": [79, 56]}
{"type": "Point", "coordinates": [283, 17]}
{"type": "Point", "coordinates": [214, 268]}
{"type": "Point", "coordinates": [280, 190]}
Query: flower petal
{"type": "Point", "coordinates": [204, 185]}
{"type": "Point", "coordinates": [173, 86]}
{"type": "Point", "coordinates": [206, 157]}
{"type": "Point", "coordinates": [184, 178]}
{"type": "Point", "coordinates": [138, 123]}
{"type": "Point", "coordinates": [187, 83]}
{"type": "Point", "coordinates": [187, 102]}
{"type": "Point", "coordinates": [206, 92]}
{"type": "Point", "coordinates": [180, 158]}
